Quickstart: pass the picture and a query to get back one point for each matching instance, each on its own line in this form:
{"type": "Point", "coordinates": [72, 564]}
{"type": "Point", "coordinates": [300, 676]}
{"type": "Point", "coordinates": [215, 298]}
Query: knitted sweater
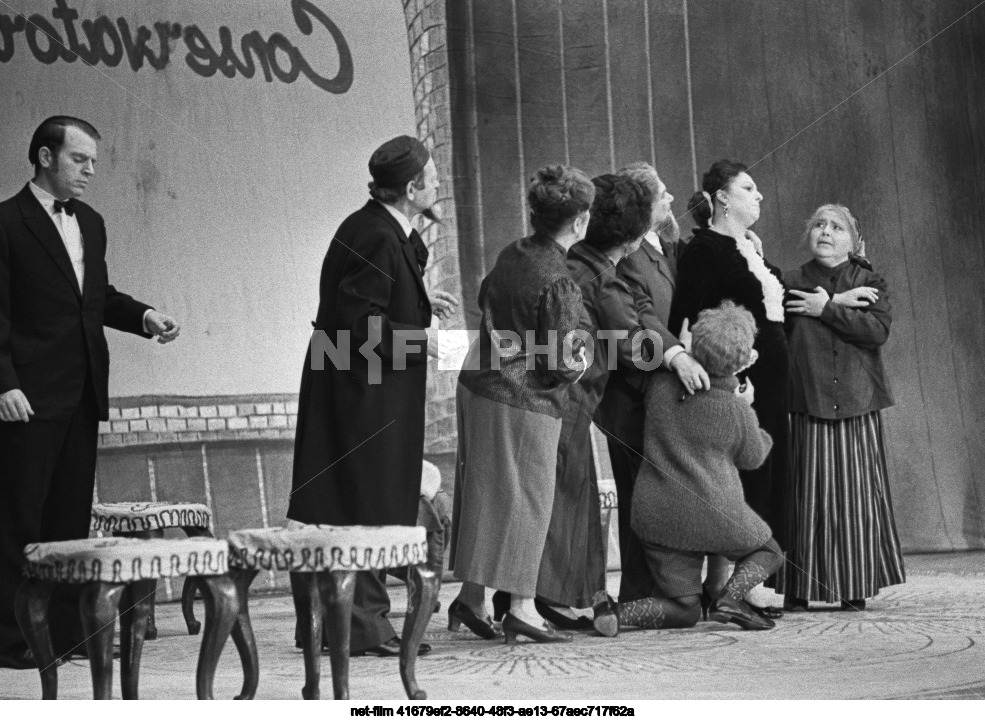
{"type": "Point", "coordinates": [688, 495]}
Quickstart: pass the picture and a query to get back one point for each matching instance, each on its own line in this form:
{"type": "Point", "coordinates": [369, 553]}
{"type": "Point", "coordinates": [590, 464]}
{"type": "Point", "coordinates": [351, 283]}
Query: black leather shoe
{"type": "Point", "coordinates": [795, 605]}
{"type": "Point", "coordinates": [18, 660]}
{"type": "Point", "coordinates": [729, 610]}
{"type": "Point", "coordinates": [559, 620]}
{"type": "Point", "coordinates": [459, 613]}
{"type": "Point", "coordinates": [766, 611]}
{"type": "Point", "coordinates": [390, 648]}
{"type": "Point", "coordinates": [856, 605]}
{"type": "Point", "coordinates": [513, 627]}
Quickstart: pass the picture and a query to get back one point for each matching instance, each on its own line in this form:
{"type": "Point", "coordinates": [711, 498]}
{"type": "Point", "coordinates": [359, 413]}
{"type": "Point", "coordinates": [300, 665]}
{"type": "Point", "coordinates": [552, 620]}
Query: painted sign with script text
{"type": "Point", "coordinates": [235, 140]}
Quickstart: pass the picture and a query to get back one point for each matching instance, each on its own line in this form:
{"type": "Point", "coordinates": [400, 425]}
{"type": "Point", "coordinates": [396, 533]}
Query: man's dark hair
{"type": "Point", "coordinates": [392, 195]}
{"type": "Point", "coordinates": [51, 134]}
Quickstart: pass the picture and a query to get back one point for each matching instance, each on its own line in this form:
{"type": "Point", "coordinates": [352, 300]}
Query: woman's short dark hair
{"type": "Point", "coordinates": [700, 209]}
{"type": "Point", "coordinates": [557, 194]}
{"type": "Point", "coordinates": [51, 134]}
{"type": "Point", "coordinates": [720, 175]}
{"type": "Point", "coordinates": [392, 195]}
{"type": "Point", "coordinates": [621, 212]}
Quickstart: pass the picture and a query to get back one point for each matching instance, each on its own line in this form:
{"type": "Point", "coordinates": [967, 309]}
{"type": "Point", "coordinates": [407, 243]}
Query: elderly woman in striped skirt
{"type": "Point", "coordinates": [843, 542]}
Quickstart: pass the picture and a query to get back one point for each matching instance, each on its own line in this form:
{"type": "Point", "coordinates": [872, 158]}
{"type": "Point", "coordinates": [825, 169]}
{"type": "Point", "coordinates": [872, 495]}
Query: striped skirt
{"type": "Point", "coordinates": [844, 544]}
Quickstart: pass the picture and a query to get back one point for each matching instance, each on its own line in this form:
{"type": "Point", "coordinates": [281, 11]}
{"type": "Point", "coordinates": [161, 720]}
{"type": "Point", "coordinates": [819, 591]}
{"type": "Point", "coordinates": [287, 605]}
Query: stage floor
{"type": "Point", "coordinates": [921, 640]}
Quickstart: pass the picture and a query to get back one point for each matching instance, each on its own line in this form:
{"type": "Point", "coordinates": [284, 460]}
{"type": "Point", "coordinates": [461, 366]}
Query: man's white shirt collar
{"type": "Point", "coordinates": [46, 199]}
{"type": "Point", "coordinates": [653, 239]}
{"type": "Point", "coordinates": [401, 218]}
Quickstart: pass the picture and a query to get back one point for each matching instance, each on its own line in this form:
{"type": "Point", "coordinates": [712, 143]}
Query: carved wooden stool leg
{"type": "Point", "coordinates": [31, 608]}
{"type": "Point", "coordinates": [134, 615]}
{"type": "Point", "coordinates": [151, 633]}
{"type": "Point", "coordinates": [422, 591]}
{"type": "Point", "coordinates": [98, 604]}
{"type": "Point", "coordinates": [188, 605]}
{"type": "Point", "coordinates": [221, 606]}
{"type": "Point", "coordinates": [337, 590]}
{"type": "Point", "coordinates": [191, 586]}
{"type": "Point", "coordinates": [243, 633]}
{"type": "Point", "coordinates": [308, 607]}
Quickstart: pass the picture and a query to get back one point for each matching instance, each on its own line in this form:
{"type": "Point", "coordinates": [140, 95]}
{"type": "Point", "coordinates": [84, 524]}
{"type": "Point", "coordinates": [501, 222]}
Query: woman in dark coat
{"type": "Point", "coordinates": [510, 406]}
{"type": "Point", "coordinates": [844, 546]}
{"type": "Point", "coordinates": [572, 570]}
{"type": "Point", "coordinates": [724, 261]}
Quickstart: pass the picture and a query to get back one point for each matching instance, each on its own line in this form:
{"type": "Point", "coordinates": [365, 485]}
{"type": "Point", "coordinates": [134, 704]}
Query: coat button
{"type": "Point", "coordinates": [836, 406]}
{"type": "Point", "coordinates": [836, 380]}
{"type": "Point", "coordinates": [836, 352]}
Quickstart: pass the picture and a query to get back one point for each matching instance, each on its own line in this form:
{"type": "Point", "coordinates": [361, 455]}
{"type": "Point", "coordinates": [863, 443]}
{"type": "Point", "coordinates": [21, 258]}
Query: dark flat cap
{"type": "Point", "coordinates": [398, 161]}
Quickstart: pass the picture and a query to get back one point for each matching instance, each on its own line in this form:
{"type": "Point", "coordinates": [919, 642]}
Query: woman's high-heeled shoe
{"type": "Point", "coordinates": [705, 602]}
{"type": "Point", "coordinates": [513, 627]}
{"type": "Point", "coordinates": [459, 613]}
{"type": "Point", "coordinates": [501, 601]}
{"type": "Point", "coordinates": [795, 605]}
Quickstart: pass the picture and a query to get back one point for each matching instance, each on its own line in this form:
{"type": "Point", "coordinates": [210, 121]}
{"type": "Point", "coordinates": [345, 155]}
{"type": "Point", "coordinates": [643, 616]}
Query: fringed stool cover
{"type": "Point", "coordinates": [323, 562]}
{"type": "Point", "coordinates": [314, 549]}
{"type": "Point", "coordinates": [124, 560]}
{"type": "Point", "coordinates": [119, 575]}
{"type": "Point", "coordinates": [129, 517]}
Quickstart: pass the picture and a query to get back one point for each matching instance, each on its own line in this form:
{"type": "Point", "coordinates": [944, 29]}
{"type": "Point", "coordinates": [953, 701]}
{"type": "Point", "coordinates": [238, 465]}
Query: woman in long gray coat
{"type": "Point", "coordinates": [510, 400]}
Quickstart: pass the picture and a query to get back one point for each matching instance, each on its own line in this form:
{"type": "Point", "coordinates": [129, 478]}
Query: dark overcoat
{"type": "Point", "coordinates": [359, 446]}
{"type": "Point", "coordinates": [711, 269]}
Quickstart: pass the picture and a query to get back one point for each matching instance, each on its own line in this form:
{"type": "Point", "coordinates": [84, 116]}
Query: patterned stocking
{"type": "Point", "coordinates": [753, 570]}
{"type": "Point", "coordinates": [644, 613]}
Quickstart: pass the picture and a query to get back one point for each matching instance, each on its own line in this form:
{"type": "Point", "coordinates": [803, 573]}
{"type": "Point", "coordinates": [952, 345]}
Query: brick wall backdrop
{"type": "Point", "coordinates": [429, 73]}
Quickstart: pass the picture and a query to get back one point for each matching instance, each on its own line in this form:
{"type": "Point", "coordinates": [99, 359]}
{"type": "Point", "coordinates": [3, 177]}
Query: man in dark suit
{"type": "Point", "coordinates": [55, 299]}
{"type": "Point", "coordinates": [650, 273]}
{"type": "Point", "coordinates": [359, 446]}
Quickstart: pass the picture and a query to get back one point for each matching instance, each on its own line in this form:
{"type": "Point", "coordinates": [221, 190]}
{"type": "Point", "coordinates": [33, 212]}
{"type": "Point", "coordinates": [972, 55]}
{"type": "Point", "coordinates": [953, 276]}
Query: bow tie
{"type": "Point", "coordinates": [65, 205]}
{"type": "Point", "coordinates": [420, 249]}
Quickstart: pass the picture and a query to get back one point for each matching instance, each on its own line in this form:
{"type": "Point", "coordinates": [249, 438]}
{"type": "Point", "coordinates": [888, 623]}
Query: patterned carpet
{"type": "Point", "coordinates": [920, 640]}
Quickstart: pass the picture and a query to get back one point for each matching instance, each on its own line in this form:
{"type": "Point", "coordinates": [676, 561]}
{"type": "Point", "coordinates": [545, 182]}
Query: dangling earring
{"type": "Point", "coordinates": [725, 209]}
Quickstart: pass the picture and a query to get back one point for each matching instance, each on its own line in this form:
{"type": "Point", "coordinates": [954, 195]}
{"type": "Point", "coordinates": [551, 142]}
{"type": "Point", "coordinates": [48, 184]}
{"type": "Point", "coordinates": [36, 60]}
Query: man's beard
{"type": "Point", "coordinates": [431, 215]}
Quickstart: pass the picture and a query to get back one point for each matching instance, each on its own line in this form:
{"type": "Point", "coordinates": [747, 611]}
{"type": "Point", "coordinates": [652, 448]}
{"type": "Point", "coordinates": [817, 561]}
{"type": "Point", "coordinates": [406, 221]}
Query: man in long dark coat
{"type": "Point", "coordinates": [359, 446]}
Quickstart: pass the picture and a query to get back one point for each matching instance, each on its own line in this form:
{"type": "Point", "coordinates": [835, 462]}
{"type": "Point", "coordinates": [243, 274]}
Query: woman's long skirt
{"type": "Point", "coordinates": [504, 493]}
{"type": "Point", "coordinates": [572, 570]}
{"type": "Point", "coordinates": [844, 540]}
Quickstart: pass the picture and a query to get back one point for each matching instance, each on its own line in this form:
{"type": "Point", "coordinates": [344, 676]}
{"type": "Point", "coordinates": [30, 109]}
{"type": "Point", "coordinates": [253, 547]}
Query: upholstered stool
{"type": "Point", "coordinates": [323, 561]}
{"type": "Point", "coordinates": [148, 520]}
{"type": "Point", "coordinates": [121, 574]}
